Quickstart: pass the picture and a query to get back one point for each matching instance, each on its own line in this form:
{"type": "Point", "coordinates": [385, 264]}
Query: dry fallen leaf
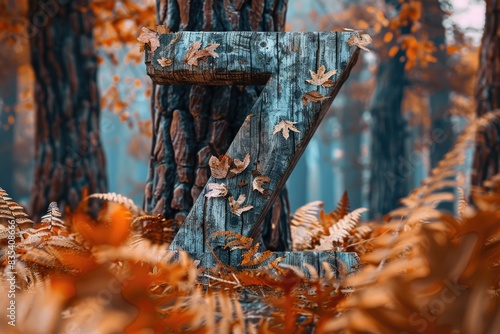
{"type": "Point", "coordinates": [150, 37]}
{"type": "Point", "coordinates": [241, 165]}
{"type": "Point", "coordinates": [164, 62]}
{"type": "Point", "coordinates": [321, 78]}
{"type": "Point", "coordinates": [236, 206]}
{"type": "Point", "coordinates": [312, 96]}
{"type": "Point", "coordinates": [285, 126]}
{"type": "Point", "coordinates": [258, 182]}
{"type": "Point", "coordinates": [162, 29]}
{"type": "Point", "coordinates": [216, 190]}
{"type": "Point", "coordinates": [194, 54]}
{"type": "Point", "coordinates": [361, 42]}
{"type": "Point", "coordinates": [219, 166]}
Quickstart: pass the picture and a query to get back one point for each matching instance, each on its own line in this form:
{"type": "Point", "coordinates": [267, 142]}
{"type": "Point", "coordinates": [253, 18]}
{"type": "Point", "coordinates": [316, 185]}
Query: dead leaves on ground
{"type": "Point", "coordinates": [285, 127]}
{"type": "Point", "coordinates": [194, 54]}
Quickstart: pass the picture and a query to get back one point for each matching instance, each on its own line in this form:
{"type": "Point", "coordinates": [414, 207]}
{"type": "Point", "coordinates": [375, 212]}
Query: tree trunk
{"type": "Point", "coordinates": [191, 123]}
{"type": "Point", "coordinates": [69, 155]}
{"type": "Point", "coordinates": [390, 168]}
{"type": "Point", "coordinates": [8, 100]}
{"type": "Point", "coordinates": [486, 157]}
{"type": "Point", "coordinates": [442, 136]}
{"type": "Point", "coordinates": [488, 83]}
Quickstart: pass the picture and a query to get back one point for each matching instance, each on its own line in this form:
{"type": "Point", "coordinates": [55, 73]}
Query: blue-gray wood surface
{"type": "Point", "coordinates": [282, 62]}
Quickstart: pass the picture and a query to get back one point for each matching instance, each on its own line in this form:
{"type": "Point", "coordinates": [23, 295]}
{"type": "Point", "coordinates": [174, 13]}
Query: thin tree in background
{"type": "Point", "coordinates": [442, 136]}
{"type": "Point", "coordinates": [69, 155]}
{"type": "Point", "coordinates": [191, 123]}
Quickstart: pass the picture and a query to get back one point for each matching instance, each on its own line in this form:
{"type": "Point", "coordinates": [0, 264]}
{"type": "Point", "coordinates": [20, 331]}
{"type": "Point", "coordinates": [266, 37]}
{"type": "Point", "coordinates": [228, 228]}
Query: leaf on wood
{"type": "Point", "coordinates": [274, 264]}
{"type": "Point", "coordinates": [219, 166]}
{"type": "Point", "coordinates": [312, 96]}
{"type": "Point", "coordinates": [162, 29]}
{"type": "Point", "coordinates": [258, 170]}
{"type": "Point", "coordinates": [361, 42]}
{"type": "Point", "coordinates": [164, 62]}
{"type": "Point", "coordinates": [242, 184]}
{"type": "Point", "coordinates": [321, 78]}
{"type": "Point", "coordinates": [258, 182]}
{"type": "Point", "coordinates": [216, 190]}
{"type": "Point", "coordinates": [352, 30]}
{"type": "Point", "coordinates": [236, 206]}
{"type": "Point", "coordinates": [285, 127]}
{"type": "Point", "coordinates": [194, 54]}
{"type": "Point", "coordinates": [241, 165]}
{"type": "Point", "coordinates": [150, 37]}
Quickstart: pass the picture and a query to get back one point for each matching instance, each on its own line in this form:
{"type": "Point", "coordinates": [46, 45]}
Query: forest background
{"type": "Point", "coordinates": [339, 158]}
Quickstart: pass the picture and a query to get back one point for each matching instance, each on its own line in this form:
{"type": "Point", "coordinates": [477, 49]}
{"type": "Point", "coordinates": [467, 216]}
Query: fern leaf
{"type": "Point", "coordinates": [305, 226]}
{"type": "Point", "coordinates": [119, 199]}
{"type": "Point", "coordinates": [11, 210]}
{"type": "Point", "coordinates": [462, 203]}
{"type": "Point", "coordinates": [53, 216]}
{"type": "Point", "coordinates": [340, 230]}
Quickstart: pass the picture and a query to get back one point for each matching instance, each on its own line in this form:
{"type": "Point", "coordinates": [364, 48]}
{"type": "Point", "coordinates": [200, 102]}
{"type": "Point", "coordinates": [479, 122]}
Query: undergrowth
{"type": "Point", "coordinates": [422, 270]}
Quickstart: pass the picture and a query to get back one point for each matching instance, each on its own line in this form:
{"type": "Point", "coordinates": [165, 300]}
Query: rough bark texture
{"type": "Point", "coordinates": [488, 82]}
{"type": "Point", "coordinates": [69, 155]}
{"type": "Point", "coordinates": [284, 61]}
{"type": "Point", "coordinates": [193, 122]}
{"type": "Point", "coordinates": [486, 157]}
{"type": "Point", "coordinates": [8, 99]}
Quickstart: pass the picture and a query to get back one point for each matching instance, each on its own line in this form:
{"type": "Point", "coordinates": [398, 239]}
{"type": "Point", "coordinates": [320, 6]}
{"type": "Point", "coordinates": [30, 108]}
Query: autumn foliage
{"type": "Point", "coordinates": [418, 270]}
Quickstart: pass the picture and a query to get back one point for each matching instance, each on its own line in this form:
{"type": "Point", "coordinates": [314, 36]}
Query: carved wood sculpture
{"type": "Point", "coordinates": [274, 134]}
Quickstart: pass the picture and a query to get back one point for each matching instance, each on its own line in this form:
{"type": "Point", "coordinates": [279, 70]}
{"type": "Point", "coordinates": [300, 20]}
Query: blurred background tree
{"type": "Point", "coordinates": [339, 156]}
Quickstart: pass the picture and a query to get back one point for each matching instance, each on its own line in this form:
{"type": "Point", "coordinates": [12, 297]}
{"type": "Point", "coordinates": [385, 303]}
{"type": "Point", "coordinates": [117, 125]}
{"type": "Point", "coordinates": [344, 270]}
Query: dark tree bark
{"type": "Point", "coordinates": [8, 100]}
{"type": "Point", "coordinates": [191, 123]}
{"type": "Point", "coordinates": [69, 155]}
{"type": "Point", "coordinates": [487, 151]}
{"type": "Point", "coordinates": [488, 82]}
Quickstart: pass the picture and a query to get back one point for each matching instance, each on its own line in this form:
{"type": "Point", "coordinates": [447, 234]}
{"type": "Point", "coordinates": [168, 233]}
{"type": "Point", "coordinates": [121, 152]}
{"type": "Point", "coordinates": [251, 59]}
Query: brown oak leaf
{"type": "Point", "coordinates": [216, 190]}
{"type": "Point", "coordinates": [194, 54]}
{"type": "Point", "coordinates": [164, 62]}
{"type": "Point", "coordinates": [285, 127]}
{"type": "Point", "coordinates": [241, 165]}
{"type": "Point", "coordinates": [150, 37]}
{"type": "Point", "coordinates": [236, 206]}
{"type": "Point", "coordinates": [361, 42]}
{"type": "Point", "coordinates": [219, 166]}
{"type": "Point", "coordinates": [312, 96]}
{"type": "Point", "coordinates": [321, 78]}
{"type": "Point", "coordinates": [258, 182]}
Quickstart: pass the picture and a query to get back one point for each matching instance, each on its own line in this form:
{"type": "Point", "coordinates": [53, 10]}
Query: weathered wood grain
{"type": "Point", "coordinates": [281, 61]}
